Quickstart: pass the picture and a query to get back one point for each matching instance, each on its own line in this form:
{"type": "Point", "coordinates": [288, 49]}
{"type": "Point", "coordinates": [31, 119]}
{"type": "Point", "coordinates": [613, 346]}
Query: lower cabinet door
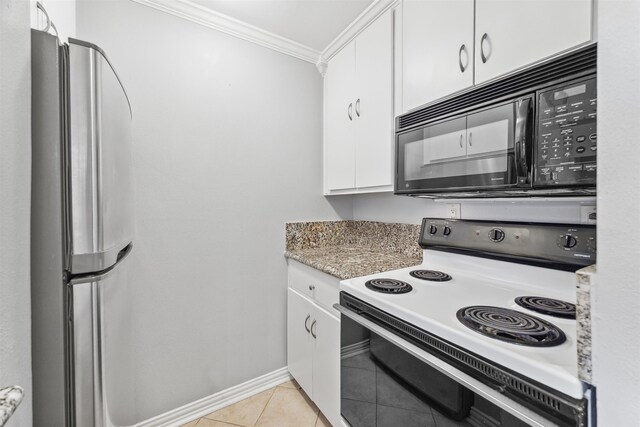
{"type": "Point", "coordinates": [300, 313]}
{"type": "Point", "coordinates": [326, 365]}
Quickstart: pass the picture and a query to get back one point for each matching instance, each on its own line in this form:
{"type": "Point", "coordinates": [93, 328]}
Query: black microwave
{"type": "Point", "coordinates": [532, 133]}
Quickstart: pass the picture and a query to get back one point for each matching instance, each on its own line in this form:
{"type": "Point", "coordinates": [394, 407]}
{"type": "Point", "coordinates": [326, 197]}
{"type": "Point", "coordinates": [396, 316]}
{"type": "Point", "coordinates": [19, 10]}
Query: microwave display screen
{"type": "Point", "coordinates": [572, 91]}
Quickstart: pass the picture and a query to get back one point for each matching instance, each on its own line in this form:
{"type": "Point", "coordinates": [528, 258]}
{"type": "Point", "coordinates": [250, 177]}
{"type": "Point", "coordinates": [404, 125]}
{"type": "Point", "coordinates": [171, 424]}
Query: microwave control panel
{"type": "Point", "coordinates": [567, 139]}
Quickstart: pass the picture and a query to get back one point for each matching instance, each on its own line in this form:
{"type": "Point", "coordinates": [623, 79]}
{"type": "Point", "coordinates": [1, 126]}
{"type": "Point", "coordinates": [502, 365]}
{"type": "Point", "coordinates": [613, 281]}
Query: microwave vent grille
{"type": "Point", "coordinates": [577, 62]}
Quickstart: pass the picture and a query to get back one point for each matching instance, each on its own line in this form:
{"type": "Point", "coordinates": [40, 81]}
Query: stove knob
{"type": "Point", "coordinates": [568, 241]}
{"type": "Point", "coordinates": [446, 231]}
{"type": "Point", "coordinates": [496, 235]}
{"type": "Point", "coordinates": [433, 229]}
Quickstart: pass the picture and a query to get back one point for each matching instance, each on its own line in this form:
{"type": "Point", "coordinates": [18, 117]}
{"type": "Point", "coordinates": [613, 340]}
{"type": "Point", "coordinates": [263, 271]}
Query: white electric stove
{"type": "Point", "coordinates": [496, 301]}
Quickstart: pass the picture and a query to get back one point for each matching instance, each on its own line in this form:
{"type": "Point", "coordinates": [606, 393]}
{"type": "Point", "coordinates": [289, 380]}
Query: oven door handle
{"type": "Point", "coordinates": [455, 374]}
{"type": "Point", "coordinates": [522, 141]}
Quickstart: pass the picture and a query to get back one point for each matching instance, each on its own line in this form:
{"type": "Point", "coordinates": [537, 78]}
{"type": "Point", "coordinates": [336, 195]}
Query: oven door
{"type": "Point", "coordinates": [488, 149]}
{"type": "Point", "coordinates": [386, 380]}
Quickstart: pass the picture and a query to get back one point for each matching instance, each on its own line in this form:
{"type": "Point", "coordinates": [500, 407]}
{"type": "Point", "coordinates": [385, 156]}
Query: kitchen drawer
{"type": "Point", "coordinates": [322, 288]}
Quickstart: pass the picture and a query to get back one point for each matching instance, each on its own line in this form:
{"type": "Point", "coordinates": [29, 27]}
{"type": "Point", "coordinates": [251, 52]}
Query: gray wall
{"type": "Point", "coordinates": [227, 148]}
{"type": "Point", "coordinates": [616, 294]}
{"type": "Point", "coordinates": [389, 208]}
{"type": "Point", "coordinates": [15, 193]}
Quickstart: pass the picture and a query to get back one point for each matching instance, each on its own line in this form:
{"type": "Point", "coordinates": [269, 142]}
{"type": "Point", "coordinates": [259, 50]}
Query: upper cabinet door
{"type": "Point", "coordinates": [340, 149]}
{"type": "Point", "coordinates": [437, 43]}
{"type": "Point", "coordinates": [373, 106]}
{"type": "Point", "coordinates": [513, 33]}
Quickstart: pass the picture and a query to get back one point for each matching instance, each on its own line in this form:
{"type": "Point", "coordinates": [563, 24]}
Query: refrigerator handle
{"type": "Point", "coordinates": [124, 253]}
{"type": "Point", "coordinates": [99, 275]}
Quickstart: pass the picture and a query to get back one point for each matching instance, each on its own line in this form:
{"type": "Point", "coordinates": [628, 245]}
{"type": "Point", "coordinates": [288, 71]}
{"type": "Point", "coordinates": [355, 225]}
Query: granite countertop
{"type": "Point", "coordinates": [10, 398]}
{"type": "Point", "coordinates": [347, 249]}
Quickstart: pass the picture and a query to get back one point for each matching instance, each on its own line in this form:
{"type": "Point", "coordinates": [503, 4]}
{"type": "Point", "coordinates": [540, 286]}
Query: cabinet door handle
{"type": "Point", "coordinates": [484, 58]}
{"type": "Point", "coordinates": [358, 107]}
{"type": "Point", "coordinates": [461, 138]}
{"type": "Point", "coordinates": [463, 48]}
{"type": "Point", "coordinates": [307, 321]}
{"type": "Point", "coordinates": [313, 334]}
{"type": "Point", "coordinates": [349, 111]}
{"type": "Point", "coordinates": [312, 287]}
{"type": "Point", "coordinates": [470, 136]}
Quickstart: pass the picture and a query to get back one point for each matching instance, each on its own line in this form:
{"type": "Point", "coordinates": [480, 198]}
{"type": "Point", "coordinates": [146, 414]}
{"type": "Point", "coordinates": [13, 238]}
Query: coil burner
{"type": "Point", "coordinates": [510, 326]}
{"type": "Point", "coordinates": [388, 286]}
{"type": "Point", "coordinates": [548, 306]}
{"type": "Point", "coordinates": [432, 275]}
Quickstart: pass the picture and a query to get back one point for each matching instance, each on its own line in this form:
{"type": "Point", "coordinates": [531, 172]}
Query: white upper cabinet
{"type": "Point", "coordinates": [448, 45]}
{"type": "Point", "coordinates": [374, 104]}
{"type": "Point", "coordinates": [359, 112]}
{"type": "Point", "coordinates": [340, 148]}
{"type": "Point", "coordinates": [513, 33]}
{"type": "Point", "coordinates": [437, 49]}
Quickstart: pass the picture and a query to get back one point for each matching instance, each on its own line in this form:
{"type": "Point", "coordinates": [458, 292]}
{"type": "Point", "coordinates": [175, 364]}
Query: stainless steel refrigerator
{"type": "Point", "coordinates": [82, 237]}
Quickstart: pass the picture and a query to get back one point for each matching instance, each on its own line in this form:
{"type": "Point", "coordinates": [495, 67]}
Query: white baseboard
{"type": "Point", "coordinates": [206, 405]}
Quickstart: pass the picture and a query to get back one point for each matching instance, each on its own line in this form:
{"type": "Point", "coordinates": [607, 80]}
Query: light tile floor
{"type": "Point", "coordinates": [283, 406]}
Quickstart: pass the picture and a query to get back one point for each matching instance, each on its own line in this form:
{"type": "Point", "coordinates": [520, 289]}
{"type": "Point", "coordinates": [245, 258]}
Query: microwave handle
{"type": "Point", "coordinates": [523, 140]}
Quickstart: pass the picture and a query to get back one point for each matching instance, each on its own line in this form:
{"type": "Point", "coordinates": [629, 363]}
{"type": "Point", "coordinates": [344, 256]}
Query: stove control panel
{"type": "Point", "coordinates": [555, 245]}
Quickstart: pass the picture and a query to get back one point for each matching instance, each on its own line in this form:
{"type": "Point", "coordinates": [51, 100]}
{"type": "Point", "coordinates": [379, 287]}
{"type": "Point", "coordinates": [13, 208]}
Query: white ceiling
{"type": "Point", "coordinates": [313, 23]}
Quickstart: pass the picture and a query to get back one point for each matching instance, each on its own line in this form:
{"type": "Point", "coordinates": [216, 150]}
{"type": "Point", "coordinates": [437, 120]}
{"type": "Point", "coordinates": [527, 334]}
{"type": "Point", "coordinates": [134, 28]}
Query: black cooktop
{"type": "Point", "coordinates": [432, 275]}
{"type": "Point", "coordinates": [510, 326]}
{"type": "Point", "coordinates": [388, 286]}
{"type": "Point", "coordinates": [548, 306]}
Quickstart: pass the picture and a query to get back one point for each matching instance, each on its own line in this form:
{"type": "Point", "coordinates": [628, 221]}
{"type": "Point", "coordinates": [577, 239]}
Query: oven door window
{"type": "Point", "coordinates": [384, 386]}
{"type": "Point", "coordinates": [472, 151]}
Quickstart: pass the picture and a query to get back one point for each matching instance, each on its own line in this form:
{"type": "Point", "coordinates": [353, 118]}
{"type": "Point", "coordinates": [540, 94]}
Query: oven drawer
{"type": "Point", "coordinates": [322, 288]}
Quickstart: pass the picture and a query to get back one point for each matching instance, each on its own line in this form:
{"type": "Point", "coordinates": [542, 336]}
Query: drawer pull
{"type": "Point", "coordinates": [312, 287]}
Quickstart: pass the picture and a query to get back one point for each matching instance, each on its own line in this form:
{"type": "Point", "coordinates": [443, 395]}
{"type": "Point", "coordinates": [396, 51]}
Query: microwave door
{"type": "Point", "coordinates": [469, 153]}
{"type": "Point", "coordinates": [490, 150]}
{"type": "Point", "coordinates": [99, 162]}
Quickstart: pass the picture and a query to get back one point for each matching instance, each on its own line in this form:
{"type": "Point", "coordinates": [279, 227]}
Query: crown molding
{"type": "Point", "coordinates": [370, 14]}
{"type": "Point", "coordinates": [226, 24]}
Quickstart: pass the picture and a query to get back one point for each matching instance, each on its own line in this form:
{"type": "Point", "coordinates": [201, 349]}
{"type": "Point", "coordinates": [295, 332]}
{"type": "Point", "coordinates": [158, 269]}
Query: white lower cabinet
{"type": "Point", "coordinates": [326, 365]}
{"type": "Point", "coordinates": [300, 343]}
{"type": "Point", "coordinates": [313, 343]}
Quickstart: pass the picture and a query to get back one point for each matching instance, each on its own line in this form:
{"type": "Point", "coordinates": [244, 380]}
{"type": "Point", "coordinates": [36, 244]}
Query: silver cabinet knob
{"type": "Point", "coordinates": [349, 111]}
{"type": "Point", "coordinates": [307, 321]}
{"type": "Point", "coordinates": [312, 287]}
{"type": "Point", "coordinates": [358, 107]}
{"type": "Point", "coordinates": [470, 137]}
{"type": "Point", "coordinates": [461, 138]}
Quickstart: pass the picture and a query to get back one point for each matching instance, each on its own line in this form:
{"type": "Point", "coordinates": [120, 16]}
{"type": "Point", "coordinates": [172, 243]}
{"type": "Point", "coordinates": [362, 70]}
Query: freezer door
{"type": "Point", "coordinates": [101, 344]}
{"type": "Point", "coordinates": [99, 164]}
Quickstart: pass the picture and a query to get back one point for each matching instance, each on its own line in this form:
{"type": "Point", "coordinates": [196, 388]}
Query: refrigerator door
{"type": "Point", "coordinates": [99, 164]}
{"type": "Point", "coordinates": [101, 343]}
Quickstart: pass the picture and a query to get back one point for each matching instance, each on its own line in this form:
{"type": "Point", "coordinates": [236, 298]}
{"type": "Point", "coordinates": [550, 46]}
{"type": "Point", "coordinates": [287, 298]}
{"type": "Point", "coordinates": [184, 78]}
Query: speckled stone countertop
{"type": "Point", "coordinates": [347, 249]}
{"type": "Point", "coordinates": [585, 279]}
{"type": "Point", "coordinates": [10, 398]}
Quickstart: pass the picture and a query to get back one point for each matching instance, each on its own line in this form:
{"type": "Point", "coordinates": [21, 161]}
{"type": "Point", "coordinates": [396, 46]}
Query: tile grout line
{"type": "Point", "coordinates": [223, 422]}
{"type": "Point", "coordinates": [265, 405]}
